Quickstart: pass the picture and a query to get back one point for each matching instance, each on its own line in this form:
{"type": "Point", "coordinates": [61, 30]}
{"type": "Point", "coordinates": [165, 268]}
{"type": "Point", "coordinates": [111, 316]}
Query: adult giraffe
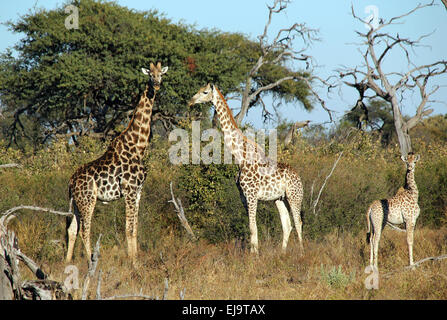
{"type": "Point", "coordinates": [260, 178]}
{"type": "Point", "coordinates": [119, 172]}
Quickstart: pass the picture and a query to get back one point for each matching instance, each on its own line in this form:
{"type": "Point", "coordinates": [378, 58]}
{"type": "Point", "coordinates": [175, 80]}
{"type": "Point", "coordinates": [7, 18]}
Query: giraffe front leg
{"type": "Point", "coordinates": [410, 236]}
{"type": "Point", "coordinates": [252, 207]}
{"type": "Point", "coordinates": [132, 205]}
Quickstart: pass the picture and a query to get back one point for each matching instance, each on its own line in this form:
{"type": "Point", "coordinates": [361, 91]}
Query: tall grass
{"type": "Point", "coordinates": [219, 265]}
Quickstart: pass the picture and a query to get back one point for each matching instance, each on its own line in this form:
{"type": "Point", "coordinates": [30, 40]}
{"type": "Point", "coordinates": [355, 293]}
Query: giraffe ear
{"type": "Point", "coordinates": [404, 158]}
{"type": "Point", "coordinates": [164, 70]}
{"type": "Point", "coordinates": [145, 71]}
{"type": "Point", "coordinates": [417, 157]}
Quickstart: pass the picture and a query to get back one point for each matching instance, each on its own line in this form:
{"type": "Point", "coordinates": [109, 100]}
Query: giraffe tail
{"type": "Point", "coordinates": [368, 223]}
{"type": "Point", "coordinates": [70, 209]}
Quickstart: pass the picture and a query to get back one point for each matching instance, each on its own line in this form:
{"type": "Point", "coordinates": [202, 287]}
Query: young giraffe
{"type": "Point", "coordinates": [257, 180]}
{"type": "Point", "coordinates": [119, 172]}
{"type": "Point", "coordinates": [402, 208]}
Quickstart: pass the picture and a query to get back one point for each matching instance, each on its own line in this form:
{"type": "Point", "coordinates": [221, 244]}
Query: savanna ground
{"type": "Point", "coordinates": [219, 265]}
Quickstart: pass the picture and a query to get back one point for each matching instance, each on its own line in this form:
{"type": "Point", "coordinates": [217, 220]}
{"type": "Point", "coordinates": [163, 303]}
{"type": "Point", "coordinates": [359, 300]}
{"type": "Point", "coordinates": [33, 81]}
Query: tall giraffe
{"type": "Point", "coordinates": [257, 180]}
{"type": "Point", "coordinates": [401, 208]}
{"type": "Point", "coordinates": [119, 172]}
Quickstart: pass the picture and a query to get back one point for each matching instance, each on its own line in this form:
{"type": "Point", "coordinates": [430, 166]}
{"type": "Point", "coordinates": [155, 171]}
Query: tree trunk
{"type": "Point", "coordinates": [401, 129]}
{"type": "Point", "coordinates": [244, 103]}
{"type": "Point", "coordinates": [6, 292]}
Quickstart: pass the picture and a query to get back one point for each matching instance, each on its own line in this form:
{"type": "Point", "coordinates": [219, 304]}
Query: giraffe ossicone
{"type": "Point", "coordinates": [119, 172]}
{"type": "Point", "coordinates": [260, 178]}
{"type": "Point", "coordinates": [403, 207]}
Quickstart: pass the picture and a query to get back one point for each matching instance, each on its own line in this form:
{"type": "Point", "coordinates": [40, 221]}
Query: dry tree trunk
{"type": "Point", "coordinates": [12, 287]}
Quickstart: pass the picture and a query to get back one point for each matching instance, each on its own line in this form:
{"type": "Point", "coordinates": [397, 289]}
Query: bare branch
{"type": "Point", "coordinates": [181, 213]}
{"type": "Point", "coordinates": [324, 183]}
{"type": "Point", "coordinates": [10, 165]}
{"type": "Point", "coordinates": [91, 268]}
{"type": "Point", "coordinates": [9, 214]}
{"type": "Point", "coordinates": [416, 264]}
{"type": "Point", "coordinates": [275, 52]}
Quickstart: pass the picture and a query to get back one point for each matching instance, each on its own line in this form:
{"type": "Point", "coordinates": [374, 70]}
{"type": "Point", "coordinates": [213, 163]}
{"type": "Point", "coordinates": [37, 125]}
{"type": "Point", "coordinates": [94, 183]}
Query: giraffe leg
{"type": "Point", "coordinates": [72, 232]}
{"type": "Point", "coordinates": [252, 205]}
{"type": "Point", "coordinates": [410, 235]}
{"type": "Point", "coordinates": [132, 206]}
{"type": "Point", "coordinates": [375, 243]}
{"type": "Point", "coordinates": [86, 213]}
{"type": "Point", "coordinates": [285, 221]}
{"type": "Point", "coordinates": [294, 198]}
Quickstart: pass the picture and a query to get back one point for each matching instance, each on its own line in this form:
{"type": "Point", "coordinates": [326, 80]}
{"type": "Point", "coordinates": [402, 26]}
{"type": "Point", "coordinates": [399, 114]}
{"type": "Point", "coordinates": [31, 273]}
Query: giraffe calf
{"type": "Point", "coordinates": [401, 208]}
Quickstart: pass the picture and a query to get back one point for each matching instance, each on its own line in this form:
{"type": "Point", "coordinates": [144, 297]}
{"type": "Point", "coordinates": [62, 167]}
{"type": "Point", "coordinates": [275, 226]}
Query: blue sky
{"type": "Point", "coordinates": [332, 18]}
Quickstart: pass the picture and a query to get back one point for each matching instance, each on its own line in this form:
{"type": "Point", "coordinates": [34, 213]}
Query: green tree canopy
{"type": "Point", "coordinates": [88, 79]}
{"type": "Point", "coordinates": [379, 117]}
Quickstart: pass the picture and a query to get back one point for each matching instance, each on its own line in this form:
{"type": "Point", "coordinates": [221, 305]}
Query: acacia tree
{"type": "Point", "coordinates": [390, 85]}
{"type": "Point", "coordinates": [269, 73]}
{"type": "Point", "coordinates": [86, 81]}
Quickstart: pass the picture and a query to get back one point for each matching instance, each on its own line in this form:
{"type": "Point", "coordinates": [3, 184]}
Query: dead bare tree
{"type": "Point", "coordinates": [11, 284]}
{"type": "Point", "coordinates": [277, 52]}
{"type": "Point", "coordinates": [392, 86]}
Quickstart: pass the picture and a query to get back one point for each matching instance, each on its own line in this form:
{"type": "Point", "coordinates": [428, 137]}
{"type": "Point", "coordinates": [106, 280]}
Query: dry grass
{"type": "Point", "coordinates": [332, 268]}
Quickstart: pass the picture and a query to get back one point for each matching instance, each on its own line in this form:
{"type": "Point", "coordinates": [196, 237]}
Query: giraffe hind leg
{"type": "Point", "coordinates": [85, 218]}
{"type": "Point", "coordinates": [72, 230]}
{"type": "Point", "coordinates": [285, 222]}
{"type": "Point", "coordinates": [294, 199]}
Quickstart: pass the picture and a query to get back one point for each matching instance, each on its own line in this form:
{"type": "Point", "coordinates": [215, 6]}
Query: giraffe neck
{"type": "Point", "coordinates": [410, 182]}
{"type": "Point", "coordinates": [139, 128]}
{"type": "Point", "coordinates": [235, 140]}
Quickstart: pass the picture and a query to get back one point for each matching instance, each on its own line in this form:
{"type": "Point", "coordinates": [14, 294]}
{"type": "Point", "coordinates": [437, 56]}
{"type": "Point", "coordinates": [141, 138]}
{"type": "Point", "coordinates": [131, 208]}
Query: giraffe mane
{"type": "Point", "coordinates": [233, 122]}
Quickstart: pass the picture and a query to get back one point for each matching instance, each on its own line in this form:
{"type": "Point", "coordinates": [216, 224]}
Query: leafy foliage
{"type": "Point", "coordinates": [88, 79]}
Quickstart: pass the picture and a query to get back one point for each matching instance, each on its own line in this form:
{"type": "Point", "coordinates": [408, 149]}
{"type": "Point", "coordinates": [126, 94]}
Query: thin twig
{"type": "Point", "coordinates": [325, 181]}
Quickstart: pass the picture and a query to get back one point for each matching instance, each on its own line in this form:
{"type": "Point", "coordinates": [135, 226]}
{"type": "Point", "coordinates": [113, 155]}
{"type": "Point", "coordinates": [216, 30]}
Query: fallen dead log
{"type": "Point", "coordinates": [415, 265]}
{"type": "Point", "coordinates": [12, 287]}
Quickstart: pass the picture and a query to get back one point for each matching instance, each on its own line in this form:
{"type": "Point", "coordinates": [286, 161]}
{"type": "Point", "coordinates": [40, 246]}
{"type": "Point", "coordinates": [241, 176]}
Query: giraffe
{"type": "Point", "coordinates": [119, 172]}
{"type": "Point", "coordinates": [401, 208]}
{"type": "Point", "coordinates": [259, 178]}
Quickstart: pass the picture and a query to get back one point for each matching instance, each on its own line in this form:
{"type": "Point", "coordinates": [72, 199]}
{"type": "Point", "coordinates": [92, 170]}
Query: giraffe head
{"type": "Point", "coordinates": [155, 72]}
{"type": "Point", "coordinates": [410, 160]}
{"type": "Point", "coordinates": [205, 94]}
